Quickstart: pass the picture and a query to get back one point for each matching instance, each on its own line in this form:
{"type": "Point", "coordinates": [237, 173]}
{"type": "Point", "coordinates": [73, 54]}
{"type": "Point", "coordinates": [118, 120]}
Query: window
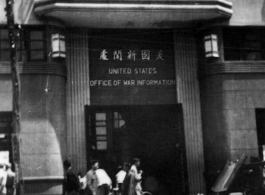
{"type": "Point", "coordinates": [244, 44]}
{"type": "Point", "coordinates": [260, 123]}
{"type": "Point", "coordinates": [20, 44]}
{"type": "Point", "coordinates": [36, 45]}
{"type": "Point", "coordinates": [5, 136]}
{"type": "Point", "coordinates": [104, 122]}
{"type": "Point", "coordinates": [30, 44]}
{"type": "Point", "coordinates": [101, 131]}
{"type": "Point", "coordinates": [118, 121]}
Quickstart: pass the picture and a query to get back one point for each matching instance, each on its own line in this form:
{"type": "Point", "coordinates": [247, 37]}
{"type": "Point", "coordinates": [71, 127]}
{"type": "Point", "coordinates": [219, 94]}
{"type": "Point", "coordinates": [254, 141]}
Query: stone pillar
{"type": "Point", "coordinates": [188, 94]}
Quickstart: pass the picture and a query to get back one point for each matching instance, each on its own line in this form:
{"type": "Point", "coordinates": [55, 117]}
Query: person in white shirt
{"type": "Point", "coordinates": [3, 178]}
{"type": "Point", "coordinates": [104, 182]}
{"type": "Point", "coordinates": [10, 181]}
{"type": "Point", "coordinates": [120, 176]}
{"type": "Point", "coordinates": [132, 181]}
{"type": "Point", "coordinates": [83, 184]}
{"type": "Point", "coordinates": [91, 178]}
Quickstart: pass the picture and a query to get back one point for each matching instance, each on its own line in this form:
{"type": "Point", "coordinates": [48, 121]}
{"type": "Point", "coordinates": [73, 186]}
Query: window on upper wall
{"type": "Point", "coordinates": [4, 45]}
{"type": "Point", "coordinates": [30, 44]}
{"type": "Point", "coordinates": [244, 44]}
{"type": "Point", "coordinates": [36, 45]}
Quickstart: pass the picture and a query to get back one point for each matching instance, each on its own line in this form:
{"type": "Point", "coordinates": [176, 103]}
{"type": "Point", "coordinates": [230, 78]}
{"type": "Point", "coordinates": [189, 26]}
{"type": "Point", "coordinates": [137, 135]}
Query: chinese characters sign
{"type": "Point", "coordinates": [131, 55]}
{"type": "Point", "coordinates": [132, 68]}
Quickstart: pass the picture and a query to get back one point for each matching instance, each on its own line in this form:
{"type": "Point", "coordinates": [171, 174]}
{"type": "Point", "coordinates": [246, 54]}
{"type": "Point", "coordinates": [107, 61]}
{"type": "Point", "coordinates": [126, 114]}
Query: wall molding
{"type": "Point", "coordinates": [35, 68]}
{"type": "Point", "coordinates": [232, 67]}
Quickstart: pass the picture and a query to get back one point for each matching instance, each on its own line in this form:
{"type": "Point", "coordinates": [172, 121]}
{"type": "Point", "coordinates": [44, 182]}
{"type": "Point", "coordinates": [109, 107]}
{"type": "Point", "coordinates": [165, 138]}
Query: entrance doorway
{"type": "Point", "coordinates": [260, 118]}
{"type": "Point", "coordinates": [116, 134]}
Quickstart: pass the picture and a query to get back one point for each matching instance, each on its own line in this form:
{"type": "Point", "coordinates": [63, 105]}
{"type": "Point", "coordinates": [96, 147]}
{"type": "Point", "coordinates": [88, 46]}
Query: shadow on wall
{"type": "Point", "coordinates": [42, 156]}
{"type": "Point", "coordinates": [263, 11]}
{"type": "Point", "coordinates": [41, 148]}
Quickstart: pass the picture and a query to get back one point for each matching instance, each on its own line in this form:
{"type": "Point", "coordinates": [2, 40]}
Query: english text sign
{"type": "Point", "coordinates": [132, 68]}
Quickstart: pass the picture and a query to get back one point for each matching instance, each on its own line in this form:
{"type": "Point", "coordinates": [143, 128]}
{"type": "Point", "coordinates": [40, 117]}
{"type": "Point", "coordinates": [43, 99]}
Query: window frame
{"type": "Point", "coordinates": [4, 40]}
{"type": "Point", "coordinates": [23, 42]}
{"type": "Point", "coordinates": [28, 42]}
{"type": "Point", "coordinates": [241, 50]}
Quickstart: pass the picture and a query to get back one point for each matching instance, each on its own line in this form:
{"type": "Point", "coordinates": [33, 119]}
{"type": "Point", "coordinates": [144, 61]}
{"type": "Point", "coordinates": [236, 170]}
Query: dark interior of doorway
{"type": "Point", "coordinates": [152, 133]}
{"type": "Point", "coordinates": [260, 121]}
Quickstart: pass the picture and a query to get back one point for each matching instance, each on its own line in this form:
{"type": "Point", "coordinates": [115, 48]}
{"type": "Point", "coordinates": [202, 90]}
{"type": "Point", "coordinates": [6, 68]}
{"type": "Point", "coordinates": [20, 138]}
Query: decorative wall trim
{"type": "Point", "coordinates": [233, 67]}
{"type": "Point", "coordinates": [168, 2]}
{"type": "Point", "coordinates": [85, 7]}
{"type": "Point", "coordinates": [35, 68]}
{"type": "Point", "coordinates": [99, 14]}
{"type": "Point", "coordinates": [78, 95]}
{"type": "Point", "coordinates": [43, 178]}
{"type": "Point", "coordinates": [127, 7]}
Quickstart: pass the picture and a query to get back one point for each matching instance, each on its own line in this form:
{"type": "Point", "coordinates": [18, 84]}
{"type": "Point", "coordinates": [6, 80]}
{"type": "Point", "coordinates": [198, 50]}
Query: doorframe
{"type": "Point", "coordinates": [180, 148]}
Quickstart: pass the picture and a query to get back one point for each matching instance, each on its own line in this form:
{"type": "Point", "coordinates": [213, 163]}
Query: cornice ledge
{"type": "Point", "coordinates": [224, 7]}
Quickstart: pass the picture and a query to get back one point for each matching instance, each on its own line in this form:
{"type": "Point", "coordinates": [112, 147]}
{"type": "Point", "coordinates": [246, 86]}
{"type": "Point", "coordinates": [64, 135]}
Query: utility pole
{"type": "Point", "coordinates": [16, 96]}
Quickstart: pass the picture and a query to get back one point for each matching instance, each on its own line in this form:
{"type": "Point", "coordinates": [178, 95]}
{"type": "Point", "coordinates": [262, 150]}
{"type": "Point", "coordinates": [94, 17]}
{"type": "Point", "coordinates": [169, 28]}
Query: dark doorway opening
{"type": "Point", "coordinates": [116, 134]}
{"type": "Point", "coordinates": [260, 121]}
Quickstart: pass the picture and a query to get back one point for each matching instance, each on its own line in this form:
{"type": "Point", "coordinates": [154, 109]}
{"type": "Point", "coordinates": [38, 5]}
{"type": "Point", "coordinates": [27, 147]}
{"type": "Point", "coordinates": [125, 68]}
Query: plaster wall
{"type": "Point", "coordinates": [228, 106]}
{"type": "Point", "coordinates": [246, 12]}
{"type": "Point", "coordinates": [42, 135]}
{"type": "Point", "coordinates": [23, 12]}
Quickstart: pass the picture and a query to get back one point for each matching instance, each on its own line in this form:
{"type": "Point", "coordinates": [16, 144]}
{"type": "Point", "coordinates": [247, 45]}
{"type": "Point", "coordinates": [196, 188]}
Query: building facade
{"type": "Point", "coordinates": [178, 84]}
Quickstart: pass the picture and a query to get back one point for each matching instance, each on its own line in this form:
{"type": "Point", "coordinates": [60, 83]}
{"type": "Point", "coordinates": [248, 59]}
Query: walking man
{"type": "Point", "coordinates": [92, 178]}
{"type": "Point", "coordinates": [10, 180]}
{"type": "Point", "coordinates": [120, 176]}
{"type": "Point", "coordinates": [132, 182]}
{"type": "Point", "coordinates": [71, 182]}
{"type": "Point", "coordinates": [104, 182]}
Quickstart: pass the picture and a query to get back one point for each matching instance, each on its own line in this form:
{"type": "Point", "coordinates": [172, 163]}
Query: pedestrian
{"type": "Point", "coordinates": [132, 181]}
{"type": "Point", "coordinates": [104, 184]}
{"type": "Point", "coordinates": [120, 176]}
{"type": "Point", "coordinates": [71, 182]}
{"type": "Point", "coordinates": [3, 177]}
{"type": "Point", "coordinates": [91, 178]}
{"type": "Point", "coordinates": [82, 183]}
{"type": "Point", "coordinates": [10, 181]}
